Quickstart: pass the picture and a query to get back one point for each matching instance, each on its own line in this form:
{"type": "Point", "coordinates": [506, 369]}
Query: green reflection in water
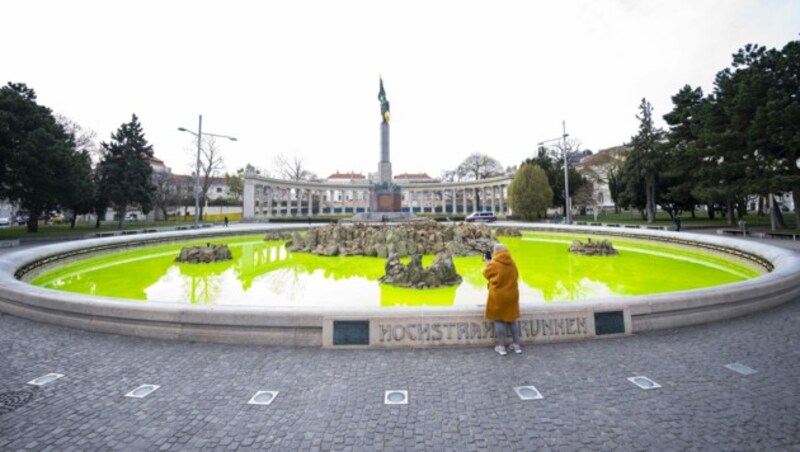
{"type": "Point", "coordinates": [266, 274]}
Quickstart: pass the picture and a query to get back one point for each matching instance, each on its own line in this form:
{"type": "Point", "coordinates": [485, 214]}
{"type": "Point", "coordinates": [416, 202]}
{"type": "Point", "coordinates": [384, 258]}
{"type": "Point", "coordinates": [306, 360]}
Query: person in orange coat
{"type": "Point", "coordinates": [502, 305]}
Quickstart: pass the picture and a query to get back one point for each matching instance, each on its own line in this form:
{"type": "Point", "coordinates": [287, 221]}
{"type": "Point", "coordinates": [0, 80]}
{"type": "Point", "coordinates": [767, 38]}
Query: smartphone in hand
{"type": "Point", "coordinates": [487, 255]}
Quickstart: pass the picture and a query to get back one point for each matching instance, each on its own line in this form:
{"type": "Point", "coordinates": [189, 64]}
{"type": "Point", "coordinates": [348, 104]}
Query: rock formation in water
{"type": "Point", "coordinates": [204, 254]}
{"type": "Point", "coordinates": [507, 231]}
{"type": "Point", "coordinates": [278, 235]}
{"type": "Point", "coordinates": [404, 239]}
{"type": "Point", "coordinates": [441, 273]}
{"type": "Point", "coordinates": [590, 248]}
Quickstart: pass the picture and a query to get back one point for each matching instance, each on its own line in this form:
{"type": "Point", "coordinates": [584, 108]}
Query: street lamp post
{"type": "Point", "coordinates": [567, 204]}
{"type": "Point", "coordinates": [199, 136]}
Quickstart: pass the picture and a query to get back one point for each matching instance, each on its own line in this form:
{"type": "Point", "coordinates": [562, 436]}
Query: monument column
{"type": "Point", "coordinates": [384, 195]}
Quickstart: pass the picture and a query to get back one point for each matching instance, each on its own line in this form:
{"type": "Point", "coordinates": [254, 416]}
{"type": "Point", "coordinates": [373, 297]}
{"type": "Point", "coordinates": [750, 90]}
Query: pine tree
{"type": "Point", "coordinates": [126, 174]}
{"type": "Point", "coordinates": [643, 163]}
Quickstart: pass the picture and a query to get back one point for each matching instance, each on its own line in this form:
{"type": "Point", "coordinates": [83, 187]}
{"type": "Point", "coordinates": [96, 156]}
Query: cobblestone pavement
{"type": "Point", "coordinates": [459, 399]}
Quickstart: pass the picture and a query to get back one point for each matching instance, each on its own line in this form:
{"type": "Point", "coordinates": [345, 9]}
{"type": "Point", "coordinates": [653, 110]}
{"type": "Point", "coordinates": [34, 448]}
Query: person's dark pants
{"type": "Point", "coordinates": [500, 331]}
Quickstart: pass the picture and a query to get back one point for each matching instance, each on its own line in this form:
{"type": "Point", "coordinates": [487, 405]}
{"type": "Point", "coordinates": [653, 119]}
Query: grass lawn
{"type": "Point", "coordinates": [701, 221]}
{"type": "Point", "coordinates": [56, 230]}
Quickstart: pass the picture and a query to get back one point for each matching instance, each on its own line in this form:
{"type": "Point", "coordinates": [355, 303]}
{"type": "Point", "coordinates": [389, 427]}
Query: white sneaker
{"type": "Point", "coordinates": [516, 348]}
{"type": "Point", "coordinates": [501, 350]}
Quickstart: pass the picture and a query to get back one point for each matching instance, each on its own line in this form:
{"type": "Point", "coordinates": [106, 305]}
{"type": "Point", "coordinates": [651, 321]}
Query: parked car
{"type": "Point", "coordinates": [5, 221]}
{"type": "Point", "coordinates": [22, 220]}
{"type": "Point", "coordinates": [487, 217]}
{"type": "Point", "coordinates": [132, 216]}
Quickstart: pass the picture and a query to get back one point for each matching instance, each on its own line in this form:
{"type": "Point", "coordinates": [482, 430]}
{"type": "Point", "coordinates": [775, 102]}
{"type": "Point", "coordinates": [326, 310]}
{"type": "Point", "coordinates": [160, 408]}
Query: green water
{"type": "Point", "coordinates": [266, 274]}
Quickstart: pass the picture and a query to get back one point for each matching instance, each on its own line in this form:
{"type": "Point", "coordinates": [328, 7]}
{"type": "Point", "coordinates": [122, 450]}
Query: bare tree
{"type": "Point", "coordinates": [585, 197]}
{"type": "Point", "coordinates": [292, 168]}
{"type": "Point", "coordinates": [85, 139]}
{"type": "Point", "coordinates": [166, 193]}
{"type": "Point", "coordinates": [448, 176]}
{"type": "Point", "coordinates": [574, 152]}
{"type": "Point", "coordinates": [478, 166]}
{"type": "Point", "coordinates": [211, 165]}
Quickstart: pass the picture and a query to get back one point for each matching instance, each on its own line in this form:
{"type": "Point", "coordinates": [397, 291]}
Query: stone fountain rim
{"type": "Point", "coordinates": [303, 326]}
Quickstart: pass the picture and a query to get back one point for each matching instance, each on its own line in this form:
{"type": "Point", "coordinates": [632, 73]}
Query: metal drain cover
{"type": "Point", "coordinates": [263, 398]}
{"type": "Point", "coordinates": [741, 368]}
{"type": "Point", "coordinates": [142, 391]}
{"type": "Point", "coordinates": [528, 393]}
{"type": "Point", "coordinates": [644, 382]}
{"type": "Point", "coordinates": [43, 380]}
{"type": "Point", "coordinates": [10, 401]}
{"type": "Point", "coordinates": [395, 397]}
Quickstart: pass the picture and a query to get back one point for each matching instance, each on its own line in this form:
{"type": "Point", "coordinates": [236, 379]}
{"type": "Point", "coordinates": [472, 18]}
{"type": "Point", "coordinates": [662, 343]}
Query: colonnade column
{"type": "Point", "coordinates": [249, 199]}
{"type": "Point", "coordinates": [503, 206]}
{"type": "Point", "coordinates": [269, 199]}
{"type": "Point", "coordinates": [491, 190]}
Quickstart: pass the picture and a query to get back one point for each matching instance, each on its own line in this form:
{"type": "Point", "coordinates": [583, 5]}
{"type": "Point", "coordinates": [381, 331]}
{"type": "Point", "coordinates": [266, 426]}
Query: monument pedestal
{"type": "Point", "coordinates": [384, 201]}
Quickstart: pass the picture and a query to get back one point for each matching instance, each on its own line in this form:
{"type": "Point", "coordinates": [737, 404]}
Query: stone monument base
{"type": "Point", "coordinates": [383, 217]}
{"type": "Point", "coordinates": [384, 201]}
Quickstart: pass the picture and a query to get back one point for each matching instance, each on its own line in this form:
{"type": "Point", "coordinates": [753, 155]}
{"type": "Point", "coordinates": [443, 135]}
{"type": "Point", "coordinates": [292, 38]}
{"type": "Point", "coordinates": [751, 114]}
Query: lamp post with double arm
{"type": "Point", "coordinates": [564, 135]}
{"type": "Point", "coordinates": [199, 136]}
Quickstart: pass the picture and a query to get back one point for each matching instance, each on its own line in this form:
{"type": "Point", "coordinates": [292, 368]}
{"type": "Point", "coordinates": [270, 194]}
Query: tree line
{"type": "Point", "coordinates": [45, 167]}
{"type": "Point", "coordinates": [742, 139]}
{"type": "Point", "coordinates": [720, 150]}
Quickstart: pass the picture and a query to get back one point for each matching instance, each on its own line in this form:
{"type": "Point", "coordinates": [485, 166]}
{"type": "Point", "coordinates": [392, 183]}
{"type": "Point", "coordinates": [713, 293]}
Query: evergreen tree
{"type": "Point", "coordinates": [643, 163]}
{"type": "Point", "coordinates": [775, 130]}
{"type": "Point", "coordinates": [681, 153]}
{"type": "Point", "coordinates": [82, 189]}
{"type": "Point", "coordinates": [529, 194]}
{"type": "Point", "coordinates": [125, 171]}
{"type": "Point", "coordinates": [38, 161]}
{"type": "Point", "coordinates": [553, 167]}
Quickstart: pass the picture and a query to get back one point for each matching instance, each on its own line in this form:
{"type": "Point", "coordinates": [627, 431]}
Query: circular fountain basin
{"type": "Point", "coordinates": [564, 314]}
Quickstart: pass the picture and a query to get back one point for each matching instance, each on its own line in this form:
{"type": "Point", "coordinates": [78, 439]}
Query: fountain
{"type": "Point", "coordinates": [312, 320]}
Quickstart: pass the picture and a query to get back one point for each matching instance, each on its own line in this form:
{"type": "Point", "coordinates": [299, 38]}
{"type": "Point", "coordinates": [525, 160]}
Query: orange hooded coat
{"type": "Point", "coordinates": [503, 302]}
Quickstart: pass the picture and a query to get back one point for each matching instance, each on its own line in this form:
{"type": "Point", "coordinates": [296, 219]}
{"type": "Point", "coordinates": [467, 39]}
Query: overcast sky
{"type": "Point", "coordinates": [301, 77]}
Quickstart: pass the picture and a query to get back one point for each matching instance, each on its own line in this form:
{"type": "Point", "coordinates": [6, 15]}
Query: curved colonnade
{"type": "Point", "coordinates": [336, 327]}
{"type": "Point", "coordinates": [266, 197]}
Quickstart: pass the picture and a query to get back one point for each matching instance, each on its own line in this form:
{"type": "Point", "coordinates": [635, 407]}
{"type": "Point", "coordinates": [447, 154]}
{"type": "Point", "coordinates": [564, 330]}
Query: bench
{"type": "Point", "coordinates": [781, 234]}
{"type": "Point", "coordinates": [742, 232]}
